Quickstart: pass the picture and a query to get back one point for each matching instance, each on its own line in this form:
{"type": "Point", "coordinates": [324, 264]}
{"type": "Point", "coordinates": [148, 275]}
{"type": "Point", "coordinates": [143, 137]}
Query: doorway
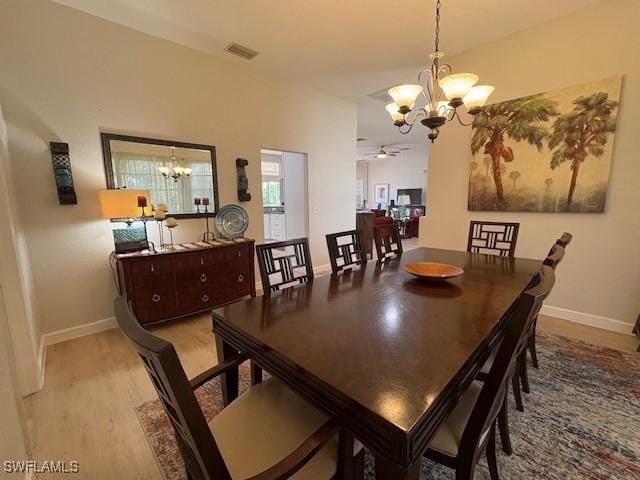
{"type": "Point", "coordinates": [284, 195]}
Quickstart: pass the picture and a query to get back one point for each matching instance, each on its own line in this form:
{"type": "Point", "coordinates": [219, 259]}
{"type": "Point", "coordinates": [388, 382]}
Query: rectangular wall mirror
{"type": "Point", "coordinates": [174, 172]}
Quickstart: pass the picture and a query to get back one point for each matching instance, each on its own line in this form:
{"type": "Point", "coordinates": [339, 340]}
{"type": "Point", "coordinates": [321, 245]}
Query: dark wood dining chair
{"type": "Point", "coordinates": [267, 433]}
{"type": "Point", "coordinates": [470, 429]}
{"type": "Point", "coordinates": [387, 239]}
{"type": "Point", "coordinates": [556, 254]}
{"type": "Point", "coordinates": [284, 264]}
{"type": "Point", "coordinates": [494, 238]}
{"type": "Point", "coordinates": [345, 250]}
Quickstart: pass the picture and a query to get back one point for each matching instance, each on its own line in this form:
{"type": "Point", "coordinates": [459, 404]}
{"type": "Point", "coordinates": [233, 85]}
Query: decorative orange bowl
{"type": "Point", "coordinates": [433, 271]}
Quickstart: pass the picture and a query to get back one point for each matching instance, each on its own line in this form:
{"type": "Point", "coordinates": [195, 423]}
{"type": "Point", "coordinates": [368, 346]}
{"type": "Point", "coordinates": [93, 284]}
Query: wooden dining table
{"type": "Point", "coordinates": [383, 353]}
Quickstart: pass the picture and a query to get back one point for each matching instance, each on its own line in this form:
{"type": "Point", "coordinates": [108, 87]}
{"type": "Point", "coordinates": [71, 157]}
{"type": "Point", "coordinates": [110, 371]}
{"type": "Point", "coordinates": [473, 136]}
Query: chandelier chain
{"type": "Point", "coordinates": [438, 4]}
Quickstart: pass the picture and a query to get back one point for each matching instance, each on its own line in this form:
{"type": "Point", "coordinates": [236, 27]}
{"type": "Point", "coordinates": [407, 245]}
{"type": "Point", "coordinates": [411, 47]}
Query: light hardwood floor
{"type": "Point", "coordinates": [85, 411]}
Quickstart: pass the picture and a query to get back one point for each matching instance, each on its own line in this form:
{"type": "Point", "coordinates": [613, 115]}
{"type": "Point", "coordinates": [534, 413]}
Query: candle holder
{"type": "Point", "coordinates": [208, 235]}
{"type": "Point", "coordinates": [171, 224]}
{"type": "Point", "coordinates": [160, 232]}
{"type": "Point", "coordinates": [142, 203]}
{"type": "Point", "coordinates": [196, 202]}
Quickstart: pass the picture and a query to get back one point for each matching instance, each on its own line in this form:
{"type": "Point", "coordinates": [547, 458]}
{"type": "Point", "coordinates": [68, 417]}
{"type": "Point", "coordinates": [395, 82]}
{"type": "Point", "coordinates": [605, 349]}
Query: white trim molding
{"type": "Point", "coordinates": [589, 319]}
{"type": "Point", "coordinates": [65, 334]}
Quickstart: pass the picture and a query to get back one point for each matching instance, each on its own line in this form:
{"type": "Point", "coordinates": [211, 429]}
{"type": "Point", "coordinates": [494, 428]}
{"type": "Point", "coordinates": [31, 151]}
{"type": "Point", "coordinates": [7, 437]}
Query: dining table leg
{"type": "Point", "coordinates": [389, 470]}
{"type": "Point", "coordinates": [229, 379]}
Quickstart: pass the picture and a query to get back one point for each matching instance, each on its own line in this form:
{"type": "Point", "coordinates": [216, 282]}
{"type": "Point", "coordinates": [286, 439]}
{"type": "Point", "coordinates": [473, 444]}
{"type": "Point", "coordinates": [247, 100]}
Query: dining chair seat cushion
{"type": "Point", "coordinates": [267, 423]}
{"type": "Point", "coordinates": [489, 363]}
{"type": "Point", "coordinates": [449, 433]}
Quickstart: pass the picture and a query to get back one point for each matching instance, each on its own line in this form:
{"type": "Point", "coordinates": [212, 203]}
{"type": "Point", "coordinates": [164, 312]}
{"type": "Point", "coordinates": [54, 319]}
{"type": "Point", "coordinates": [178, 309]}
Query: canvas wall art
{"type": "Point", "coordinates": [549, 152]}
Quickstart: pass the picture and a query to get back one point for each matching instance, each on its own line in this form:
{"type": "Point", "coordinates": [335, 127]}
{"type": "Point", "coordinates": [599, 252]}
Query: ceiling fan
{"type": "Point", "coordinates": [386, 153]}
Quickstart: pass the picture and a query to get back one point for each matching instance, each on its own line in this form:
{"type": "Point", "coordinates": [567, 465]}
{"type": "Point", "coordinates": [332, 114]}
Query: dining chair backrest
{"type": "Point", "coordinates": [494, 238]}
{"type": "Point", "coordinates": [519, 320]}
{"type": "Point", "coordinates": [345, 250]}
{"type": "Point", "coordinates": [284, 264]}
{"type": "Point", "coordinates": [195, 440]}
{"type": "Point", "coordinates": [565, 239]}
{"type": "Point", "coordinates": [556, 254]}
{"type": "Point", "coordinates": [387, 239]}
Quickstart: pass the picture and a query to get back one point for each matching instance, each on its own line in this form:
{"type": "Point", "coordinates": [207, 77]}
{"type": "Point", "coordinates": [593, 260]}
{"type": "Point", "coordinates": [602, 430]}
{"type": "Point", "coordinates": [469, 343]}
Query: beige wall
{"type": "Point", "coordinates": [600, 276]}
{"type": "Point", "coordinates": [16, 283]}
{"type": "Point", "coordinates": [66, 76]}
{"type": "Point", "coordinates": [404, 171]}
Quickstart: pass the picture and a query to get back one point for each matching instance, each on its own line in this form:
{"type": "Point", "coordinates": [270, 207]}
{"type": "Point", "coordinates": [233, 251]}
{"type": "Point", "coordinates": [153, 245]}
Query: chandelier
{"type": "Point", "coordinates": [174, 170]}
{"type": "Point", "coordinates": [444, 92]}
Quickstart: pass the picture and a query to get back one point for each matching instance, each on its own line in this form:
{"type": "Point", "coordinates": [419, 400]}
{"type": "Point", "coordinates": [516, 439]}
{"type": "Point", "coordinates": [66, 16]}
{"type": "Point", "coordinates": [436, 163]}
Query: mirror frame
{"type": "Point", "coordinates": [108, 164]}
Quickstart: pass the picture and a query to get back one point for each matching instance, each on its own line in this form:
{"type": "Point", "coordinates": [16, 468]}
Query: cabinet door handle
{"type": "Point", "coordinates": [201, 260]}
{"type": "Point", "coordinates": [239, 253]}
{"type": "Point", "coordinates": [153, 268]}
{"type": "Point", "coordinates": [205, 298]}
{"type": "Point", "coordinates": [203, 278]}
{"type": "Point", "coordinates": [155, 298]}
{"type": "Point", "coordinates": [240, 278]}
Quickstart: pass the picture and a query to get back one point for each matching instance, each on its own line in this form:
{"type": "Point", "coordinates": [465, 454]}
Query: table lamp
{"type": "Point", "coordinates": [126, 205]}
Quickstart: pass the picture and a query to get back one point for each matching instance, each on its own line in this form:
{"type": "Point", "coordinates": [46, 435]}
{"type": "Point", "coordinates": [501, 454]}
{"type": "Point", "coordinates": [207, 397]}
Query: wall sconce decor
{"type": "Point", "coordinates": [243, 181]}
{"type": "Point", "coordinates": [62, 173]}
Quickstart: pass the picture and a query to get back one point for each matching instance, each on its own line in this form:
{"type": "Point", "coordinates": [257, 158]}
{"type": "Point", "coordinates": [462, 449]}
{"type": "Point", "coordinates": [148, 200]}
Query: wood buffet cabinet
{"type": "Point", "coordinates": [177, 283]}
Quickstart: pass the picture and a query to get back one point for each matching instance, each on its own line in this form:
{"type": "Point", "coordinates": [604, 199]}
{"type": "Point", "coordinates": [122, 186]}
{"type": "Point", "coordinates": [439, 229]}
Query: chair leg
{"type": "Point", "coordinates": [532, 348]}
{"type": "Point", "coordinates": [524, 374]}
{"type": "Point", "coordinates": [256, 374]}
{"type": "Point", "coordinates": [515, 381]}
{"type": "Point", "coordinates": [503, 423]}
{"type": "Point", "coordinates": [358, 466]}
{"type": "Point", "coordinates": [491, 454]}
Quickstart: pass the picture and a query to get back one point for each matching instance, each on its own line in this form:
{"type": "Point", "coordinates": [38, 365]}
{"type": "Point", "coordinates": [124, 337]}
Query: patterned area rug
{"type": "Point", "coordinates": [581, 419]}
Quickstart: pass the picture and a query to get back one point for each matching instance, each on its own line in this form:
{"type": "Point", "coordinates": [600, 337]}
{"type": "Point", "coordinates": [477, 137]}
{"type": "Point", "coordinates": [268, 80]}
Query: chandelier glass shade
{"type": "Point", "coordinates": [174, 170]}
{"type": "Point", "coordinates": [439, 93]}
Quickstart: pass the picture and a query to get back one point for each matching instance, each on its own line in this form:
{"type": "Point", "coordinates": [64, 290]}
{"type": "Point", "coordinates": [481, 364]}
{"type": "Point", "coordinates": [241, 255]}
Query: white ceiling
{"type": "Point", "coordinates": [347, 48]}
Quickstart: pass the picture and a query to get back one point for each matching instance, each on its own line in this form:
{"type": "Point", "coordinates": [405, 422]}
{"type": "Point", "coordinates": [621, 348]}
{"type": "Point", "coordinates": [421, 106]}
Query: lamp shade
{"type": "Point", "coordinates": [393, 110]}
{"type": "Point", "coordinates": [457, 85]}
{"type": "Point", "coordinates": [122, 203]}
{"type": "Point", "coordinates": [477, 96]}
{"type": "Point", "coordinates": [405, 95]}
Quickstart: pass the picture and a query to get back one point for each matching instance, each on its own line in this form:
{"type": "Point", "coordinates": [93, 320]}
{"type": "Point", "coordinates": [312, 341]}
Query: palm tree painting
{"type": "Point", "coordinates": [582, 132]}
{"type": "Point", "coordinates": [536, 136]}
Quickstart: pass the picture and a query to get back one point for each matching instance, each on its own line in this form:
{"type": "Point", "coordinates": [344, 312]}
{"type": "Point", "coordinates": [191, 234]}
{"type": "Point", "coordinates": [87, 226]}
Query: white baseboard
{"type": "Point", "coordinates": [582, 318]}
{"type": "Point", "coordinates": [80, 331]}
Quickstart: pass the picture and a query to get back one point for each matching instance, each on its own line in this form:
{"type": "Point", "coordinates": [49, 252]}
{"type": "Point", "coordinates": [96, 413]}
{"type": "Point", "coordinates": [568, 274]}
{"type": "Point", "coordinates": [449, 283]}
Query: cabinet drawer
{"type": "Point", "coordinates": [153, 283]}
{"type": "Point", "coordinates": [151, 265]}
{"type": "Point", "coordinates": [208, 276]}
{"type": "Point", "coordinates": [239, 278]}
{"type": "Point", "coordinates": [193, 260]}
{"type": "Point", "coordinates": [240, 252]}
{"type": "Point", "coordinates": [152, 307]}
{"type": "Point", "coordinates": [194, 300]}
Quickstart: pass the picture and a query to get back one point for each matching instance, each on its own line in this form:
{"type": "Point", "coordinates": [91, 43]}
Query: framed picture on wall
{"type": "Point", "coordinates": [381, 194]}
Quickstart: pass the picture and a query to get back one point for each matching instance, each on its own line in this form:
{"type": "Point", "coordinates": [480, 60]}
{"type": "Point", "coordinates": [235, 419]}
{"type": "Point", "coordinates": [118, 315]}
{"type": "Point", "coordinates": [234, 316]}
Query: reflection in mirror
{"type": "Point", "coordinates": [175, 173]}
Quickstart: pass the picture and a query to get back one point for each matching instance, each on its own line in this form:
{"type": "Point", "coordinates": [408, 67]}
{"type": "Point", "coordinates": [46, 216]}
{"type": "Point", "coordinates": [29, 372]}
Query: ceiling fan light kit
{"type": "Point", "coordinates": [435, 84]}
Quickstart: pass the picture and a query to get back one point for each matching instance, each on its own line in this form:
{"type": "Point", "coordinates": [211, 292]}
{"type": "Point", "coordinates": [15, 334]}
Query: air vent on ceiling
{"type": "Point", "coordinates": [360, 139]}
{"type": "Point", "coordinates": [241, 51]}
